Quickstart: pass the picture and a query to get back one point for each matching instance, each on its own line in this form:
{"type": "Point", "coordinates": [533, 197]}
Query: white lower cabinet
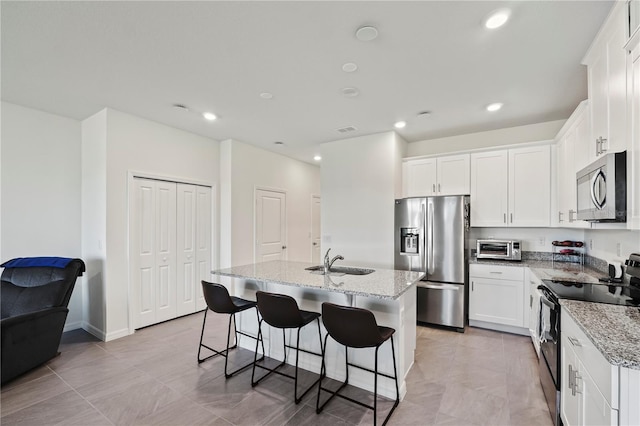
{"type": "Point", "coordinates": [496, 297]}
{"type": "Point", "coordinates": [589, 384]}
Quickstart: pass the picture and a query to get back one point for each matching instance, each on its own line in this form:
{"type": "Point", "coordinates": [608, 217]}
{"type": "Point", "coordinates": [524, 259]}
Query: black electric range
{"type": "Point", "coordinates": [614, 294]}
{"type": "Point", "coordinates": [549, 328]}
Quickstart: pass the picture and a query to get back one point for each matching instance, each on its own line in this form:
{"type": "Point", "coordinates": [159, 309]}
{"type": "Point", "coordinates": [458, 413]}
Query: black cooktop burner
{"type": "Point", "coordinates": [614, 294]}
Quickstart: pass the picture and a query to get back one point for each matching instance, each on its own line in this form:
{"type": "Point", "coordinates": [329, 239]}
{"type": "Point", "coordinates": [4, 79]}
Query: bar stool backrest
{"type": "Point", "coordinates": [217, 298]}
{"type": "Point", "coordinates": [352, 327]}
{"type": "Point", "coordinates": [279, 310]}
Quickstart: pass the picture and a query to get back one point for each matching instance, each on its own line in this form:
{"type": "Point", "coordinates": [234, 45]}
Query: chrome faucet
{"type": "Point", "coordinates": [329, 263]}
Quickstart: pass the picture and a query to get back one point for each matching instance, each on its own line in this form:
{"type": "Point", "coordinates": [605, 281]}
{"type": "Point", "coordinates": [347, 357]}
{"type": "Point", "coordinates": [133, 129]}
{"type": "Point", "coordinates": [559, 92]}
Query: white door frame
{"type": "Point", "coordinates": [255, 219]}
{"type": "Point", "coordinates": [313, 197]}
{"type": "Point", "coordinates": [131, 175]}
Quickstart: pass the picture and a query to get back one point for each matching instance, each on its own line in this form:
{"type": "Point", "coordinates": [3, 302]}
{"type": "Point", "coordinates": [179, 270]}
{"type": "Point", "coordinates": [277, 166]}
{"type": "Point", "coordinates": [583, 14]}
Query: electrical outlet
{"type": "Point", "coordinates": [590, 244]}
{"type": "Point", "coordinates": [618, 249]}
{"type": "Point", "coordinates": [542, 241]}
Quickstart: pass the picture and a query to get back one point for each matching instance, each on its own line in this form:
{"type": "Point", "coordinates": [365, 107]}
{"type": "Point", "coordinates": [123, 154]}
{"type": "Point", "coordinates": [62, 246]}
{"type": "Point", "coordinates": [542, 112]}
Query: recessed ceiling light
{"type": "Point", "coordinates": [350, 92]}
{"type": "Point", "coordinates": [424, 113]}
{"type": "Point", "coordinates": [349, 67]}
{"type": "Point", "coordinates": [209, 116]}
{"type": "Point", "coordinates": [497, 18]}
{"type": "Point", "coordinates": [317, 158]}
{"type": "Point", "coordinates": [400, 124]}
{"type": "Point", "coordinates": [266, 95]}
{"type": "Point", "coordinates": [494, 107]}
{"type": "Point", "coordinates": [278, 143]}
{"type": "Point", "coordinates": [366, 33]}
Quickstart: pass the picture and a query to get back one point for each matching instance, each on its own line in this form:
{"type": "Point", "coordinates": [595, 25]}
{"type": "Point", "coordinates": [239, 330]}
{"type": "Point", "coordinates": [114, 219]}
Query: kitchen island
{"type": "Point", "coordinates": [389, 294]}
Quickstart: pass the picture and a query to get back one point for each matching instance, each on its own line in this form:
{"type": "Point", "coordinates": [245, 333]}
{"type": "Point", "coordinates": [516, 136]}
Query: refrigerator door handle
{"type": "Point", "coordinates": [439, 286]}
{"type": "Point", "coordinates": [430, 255]}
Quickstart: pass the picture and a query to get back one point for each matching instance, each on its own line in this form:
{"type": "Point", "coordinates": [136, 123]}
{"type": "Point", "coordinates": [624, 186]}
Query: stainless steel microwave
{"type": "Point", "coordinates": [602, 189]}
{"type": "Point", "coordinates": [499, 249]}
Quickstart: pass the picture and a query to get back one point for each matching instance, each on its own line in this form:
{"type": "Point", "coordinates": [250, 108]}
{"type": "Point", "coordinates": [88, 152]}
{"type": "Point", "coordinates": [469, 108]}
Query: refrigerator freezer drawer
{"type": "Point", "coordinates": [441, 304]}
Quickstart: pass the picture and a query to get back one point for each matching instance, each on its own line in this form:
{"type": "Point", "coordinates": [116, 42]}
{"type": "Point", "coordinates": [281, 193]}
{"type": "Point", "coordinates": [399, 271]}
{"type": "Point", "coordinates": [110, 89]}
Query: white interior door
{"type": "Point", "coordinates": [186, 252]}
{"type": "Point", "coordinates": [270, 225]}
{"type": "Point", "coordinates": [143, 252]}
{"type": "Point", "coordinates": [203, 242]}
{"type": "Point", "coordinates": [153, 250]}
{"type": "Point", "coordinates": [165, 250]}
{"type": "Point", "coordinates": [315, 229]}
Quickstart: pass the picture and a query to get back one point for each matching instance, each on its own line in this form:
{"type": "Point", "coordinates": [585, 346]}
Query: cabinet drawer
{"type": "Point", "coordinates": [604, 375]}
{"type": "Point", "coordinates": [497, 272]}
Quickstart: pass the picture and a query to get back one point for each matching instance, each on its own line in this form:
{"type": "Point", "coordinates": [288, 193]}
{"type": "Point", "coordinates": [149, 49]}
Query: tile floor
{"type": "Point", "coordinates": [152, 378]}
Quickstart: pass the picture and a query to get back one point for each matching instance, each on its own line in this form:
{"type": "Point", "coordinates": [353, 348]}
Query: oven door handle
{"type": "Point", "coordinates": [547, 302]}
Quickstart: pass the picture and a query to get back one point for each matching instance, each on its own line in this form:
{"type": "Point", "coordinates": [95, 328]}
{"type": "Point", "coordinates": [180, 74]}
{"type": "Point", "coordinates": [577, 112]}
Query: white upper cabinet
{"type": "Point", "coordinates": [419, 177]}
{"type": "Point", "coordinates": [530, 186]}
{"type": "Point", "coordinates": [453, 175]}
{"type": "Point", "coordinates": [511, 187]}
{"type": "Point", "coordinates": [489, 188]}
{"type": "Point", "coordinates": [606, 69]}
{"type": "Point", "coordinates": [447, 175]}
{"type": "Point", "coordinates": [570, 159]}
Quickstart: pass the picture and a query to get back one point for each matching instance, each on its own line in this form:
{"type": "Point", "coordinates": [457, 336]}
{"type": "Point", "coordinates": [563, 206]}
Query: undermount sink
{"type": "Point", "coordinates": [336, 270]}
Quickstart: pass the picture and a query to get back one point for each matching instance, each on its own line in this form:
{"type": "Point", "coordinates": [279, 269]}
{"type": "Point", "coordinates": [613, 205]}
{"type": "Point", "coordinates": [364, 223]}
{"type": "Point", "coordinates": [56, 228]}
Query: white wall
{"type": "Point", "coordinates": [245, 168]}
{"type": "Point", "coordinates": [40, 187]}
{"type": "Point", "coordinates": [136, 145]}
{"type": "Point", "coordinates": [361, 177]}
{"type": "Point", "coordinates": [602, 243]}
{"type": "Point", "coordinates": [94, 220]}
{"type": "Point", "coordinates": [492, 138]}
{"type": "Point", "coordinates": [533, 239]}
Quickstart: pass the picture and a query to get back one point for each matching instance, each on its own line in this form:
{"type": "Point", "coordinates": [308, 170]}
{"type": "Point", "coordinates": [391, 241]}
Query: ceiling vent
{"type": "Point", "coordinates": [347, 129]}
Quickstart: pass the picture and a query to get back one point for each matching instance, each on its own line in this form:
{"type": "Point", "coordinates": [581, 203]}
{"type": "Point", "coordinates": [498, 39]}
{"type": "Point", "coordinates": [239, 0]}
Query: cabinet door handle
{"type": "Point", "coordinates": [560, 216]}
{"type": "Point", "coordinates": [571, 380]}
{"type": "Point", "coordinates": [471, 285]}
{"type": "Point", "coordinates": [571, 218]}
{"type": "Point", "coordinates": [511, 215]}
{"type": "Point", "coordinates": [576, 385]}
{"type": "Point", "coordinates": [574, 341]}
{"type": "Point", "coordinates": [495, 272]}
{"type": "Point", "coordinates": [504, 217]}
{"type": "Point", "coordinates": [439, 190]}
{"type": "Point", "coordinates": [603, 149]}
{"type": "Point", "coordinates": [530, 301]}
{"type": "Point", "coordinates": [598, 146]}
{"type": "Point", "coordinates": [434, 188]}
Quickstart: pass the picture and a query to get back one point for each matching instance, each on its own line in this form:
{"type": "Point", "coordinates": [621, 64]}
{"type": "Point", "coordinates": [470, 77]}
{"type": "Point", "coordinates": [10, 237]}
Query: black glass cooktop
{"type": "Point", "coordinates": [615, 294]}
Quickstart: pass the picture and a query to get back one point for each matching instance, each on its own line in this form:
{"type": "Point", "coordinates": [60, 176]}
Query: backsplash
{"type": "Point", "coordinates": [589, 261]}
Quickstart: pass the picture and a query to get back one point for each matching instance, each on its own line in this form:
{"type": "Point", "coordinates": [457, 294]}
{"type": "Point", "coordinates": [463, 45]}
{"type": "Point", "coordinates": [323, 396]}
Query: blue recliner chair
{"type": "Point", "coordinates": [34, 296]}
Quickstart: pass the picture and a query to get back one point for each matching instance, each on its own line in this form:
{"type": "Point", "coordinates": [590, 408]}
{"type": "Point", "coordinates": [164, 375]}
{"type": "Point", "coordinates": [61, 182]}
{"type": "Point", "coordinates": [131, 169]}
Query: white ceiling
{"type": "Point", "coordinates": [75, 58]}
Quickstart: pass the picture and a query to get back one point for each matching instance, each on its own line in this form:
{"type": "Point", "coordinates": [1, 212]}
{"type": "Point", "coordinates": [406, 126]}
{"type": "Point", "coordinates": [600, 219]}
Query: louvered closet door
{"type": "Point", "coordinates": [203, 241]}
{"type": "Point", "coordinates": [186, 236]}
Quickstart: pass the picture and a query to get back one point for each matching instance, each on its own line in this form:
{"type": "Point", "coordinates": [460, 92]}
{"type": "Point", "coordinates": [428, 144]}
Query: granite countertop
{"type": "Point", "coordinates": [613, 329]}
{"type": "Point", "coordinates": [381, 284]}
{"type": "Point", "coordinates": [546, 270]}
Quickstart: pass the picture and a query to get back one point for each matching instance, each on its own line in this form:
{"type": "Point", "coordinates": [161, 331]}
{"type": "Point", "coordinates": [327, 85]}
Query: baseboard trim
{"type": "Point", "coordinates": [499, 327]}
{"type": "Point", "coordinates": [117, 334]}
{"type": "Point", "coordinates": [72, 326]}
{"type": "Point", "coordinates": [93, 330]}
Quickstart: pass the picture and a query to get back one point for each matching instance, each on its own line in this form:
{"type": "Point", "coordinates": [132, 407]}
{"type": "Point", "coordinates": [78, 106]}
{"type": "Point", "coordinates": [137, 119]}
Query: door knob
{"type": "Point", "coordinates": [284, 247]}
{"type": "Point", "coordinates": [164, 259]}
{"type": "Point", "coordinates": [315, 244]}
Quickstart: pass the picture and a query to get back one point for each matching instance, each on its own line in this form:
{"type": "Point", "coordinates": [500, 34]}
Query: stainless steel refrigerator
{"type": "Point", "coordinates": [431, 235]}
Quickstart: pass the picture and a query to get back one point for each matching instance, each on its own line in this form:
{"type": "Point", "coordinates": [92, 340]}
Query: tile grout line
{"type": "Point", "coordinates": [85, 399]}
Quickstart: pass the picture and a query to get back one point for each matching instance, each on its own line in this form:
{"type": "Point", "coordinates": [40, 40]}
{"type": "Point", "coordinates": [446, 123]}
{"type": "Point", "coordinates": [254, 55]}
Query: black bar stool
{"type": "Point", "coordinates": [219, 301]}
{"type": "Point", "coordinates": [356, 328]}
{"type": "Point", "coordinates": [281, 311]}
